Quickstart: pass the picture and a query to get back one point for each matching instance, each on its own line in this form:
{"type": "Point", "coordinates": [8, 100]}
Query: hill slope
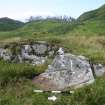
{"type": "Point", "coordinates": [90, 23]}
{"type": "Point", "coordinates": [7, 24]}
{"type": "Point", "coordinates": [52, 26]}
{"type": "Point", "coordinates": [87, 38]}
{"type": "Point", "coordinates": [41, 28]}
{"type": "Point", "coordinates": [93, 15]}
{"type": "Point", "coordinates": [84, 36]}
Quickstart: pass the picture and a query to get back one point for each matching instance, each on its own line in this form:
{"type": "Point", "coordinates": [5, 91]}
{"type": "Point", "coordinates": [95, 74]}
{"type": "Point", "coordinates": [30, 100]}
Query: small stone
{"type": "Point", "coordinates": [99, 70]}
{"type": "Point", "coordinates": [52, 98]}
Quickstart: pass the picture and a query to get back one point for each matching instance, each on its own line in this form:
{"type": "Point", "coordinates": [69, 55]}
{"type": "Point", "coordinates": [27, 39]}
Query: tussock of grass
{"type": "Point", "coordinates": [13, 72]}
{"type": "Point", "coordinates": [21, 93]}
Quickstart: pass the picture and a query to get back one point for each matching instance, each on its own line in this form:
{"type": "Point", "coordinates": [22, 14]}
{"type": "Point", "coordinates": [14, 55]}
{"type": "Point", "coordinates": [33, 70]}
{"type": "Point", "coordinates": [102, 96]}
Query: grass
{"type": "Point", "coordinates": [16, 79]}
{"type": "Point", "coordinates": [84, 38]}
{"type": "Point", "coordinates": [13, 72]}
{"type": "Point", "coordinates": [21, 92]}
{"type": "Point", "coordinates": [19, 88]}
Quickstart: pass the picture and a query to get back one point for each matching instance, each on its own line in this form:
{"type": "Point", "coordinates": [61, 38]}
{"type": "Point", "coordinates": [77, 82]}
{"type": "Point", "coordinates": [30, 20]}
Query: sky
{"type": "Point", "coordinates": [22, 9]}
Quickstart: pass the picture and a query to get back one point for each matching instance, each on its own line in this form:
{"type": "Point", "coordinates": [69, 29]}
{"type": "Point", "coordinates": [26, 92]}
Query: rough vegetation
{"type": "Point", "coordinates": [85, 36]}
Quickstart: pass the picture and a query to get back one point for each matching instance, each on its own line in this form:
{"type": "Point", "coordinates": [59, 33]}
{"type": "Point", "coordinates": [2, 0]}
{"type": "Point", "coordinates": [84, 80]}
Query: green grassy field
{"type": "Point", "coordinates": [16, 88]}
{"type": "Point", "coordinates": [87, 39]}
{"type": "Point", "coordinates": [85, 36]}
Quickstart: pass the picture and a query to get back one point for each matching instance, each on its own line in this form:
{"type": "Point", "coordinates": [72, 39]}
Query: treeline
{"type": "Point", "coordinates": [56, 18]}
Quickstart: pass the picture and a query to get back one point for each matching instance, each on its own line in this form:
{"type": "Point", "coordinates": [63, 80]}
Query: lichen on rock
{"type": "Point", "coordinates": [67, 70]}
{"type": "Point", "coordinates": [34, 53]}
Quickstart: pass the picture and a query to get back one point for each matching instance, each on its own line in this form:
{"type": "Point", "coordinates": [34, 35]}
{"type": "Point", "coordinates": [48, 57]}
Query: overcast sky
{"type": "Point", "coordinates": [21, 9]}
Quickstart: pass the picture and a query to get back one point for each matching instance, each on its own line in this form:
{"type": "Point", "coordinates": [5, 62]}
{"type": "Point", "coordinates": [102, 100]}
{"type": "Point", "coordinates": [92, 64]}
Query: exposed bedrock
{"type": "Point", "coordinates": [36, 53]}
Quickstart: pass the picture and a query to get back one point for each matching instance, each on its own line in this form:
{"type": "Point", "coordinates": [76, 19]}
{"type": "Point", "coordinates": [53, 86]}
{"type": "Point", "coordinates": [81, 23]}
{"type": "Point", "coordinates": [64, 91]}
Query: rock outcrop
{"type": "Point", "coordinates": [5, 54]}
{"type": "Point", "coordinates": [66, 70]}
{"type": "Point", "coordinates": [35, 53]}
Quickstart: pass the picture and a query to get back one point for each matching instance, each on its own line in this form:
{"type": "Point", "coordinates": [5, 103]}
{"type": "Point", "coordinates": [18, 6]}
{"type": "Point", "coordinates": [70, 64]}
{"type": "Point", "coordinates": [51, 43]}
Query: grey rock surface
{"type": "Point", "coordinates": [34, 54]}
{"type": "Point", "coordinates": [5, 54]}
{"type": "Point", "coordinates": [40, 49]}
{"type": "Point", "coordinates": [99, 70]}
{"type": "Point", "coordinates": [69, 70]}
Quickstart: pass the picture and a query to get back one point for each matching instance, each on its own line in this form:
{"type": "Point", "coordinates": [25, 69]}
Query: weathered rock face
{"type": "Point", "coordinates": [40, 49]}
{"type": "Point", "coordinates": [35, 53]}
{"type": "Point", "coordinates": [5, 54]}
{"type": "Point", "coordinates": [67, 70]}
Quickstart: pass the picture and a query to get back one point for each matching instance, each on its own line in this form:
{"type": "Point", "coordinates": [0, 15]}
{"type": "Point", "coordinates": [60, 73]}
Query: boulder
{"type": "Point", "coordinates": [67, 70]}
{"type": "Point", "coordinates": [99, 70]}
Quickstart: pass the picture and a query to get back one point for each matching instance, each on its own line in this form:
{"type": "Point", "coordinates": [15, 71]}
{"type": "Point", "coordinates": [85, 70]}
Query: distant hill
{"type": "Point", "coordinates": [92, 22]}
{"type": "Point", "coordinates": [49, 26]}
{"type": "Point", "coordinates": [97, 14]}
{"type": "Point", "coordinates": [89, 23]}
{"type": "Point", "coordinates": [7, 24]}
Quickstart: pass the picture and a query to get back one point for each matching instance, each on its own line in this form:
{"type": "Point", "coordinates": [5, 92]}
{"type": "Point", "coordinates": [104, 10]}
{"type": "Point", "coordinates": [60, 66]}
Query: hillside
{"type": "Point", "coordinates": [7, 24]}
{"type": "Point", "coordinates": [41, 28]}
{"type": "Point", "coordinates": [98, 14]}
{"type": "Point", "coordinates": [84, 36]}
{"type": "Point", "coordinates": [49, 26]}
{"type": "Point", "coordinates": [89, 22]}
{"type": "Point", "coordinates": [92, 22]}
